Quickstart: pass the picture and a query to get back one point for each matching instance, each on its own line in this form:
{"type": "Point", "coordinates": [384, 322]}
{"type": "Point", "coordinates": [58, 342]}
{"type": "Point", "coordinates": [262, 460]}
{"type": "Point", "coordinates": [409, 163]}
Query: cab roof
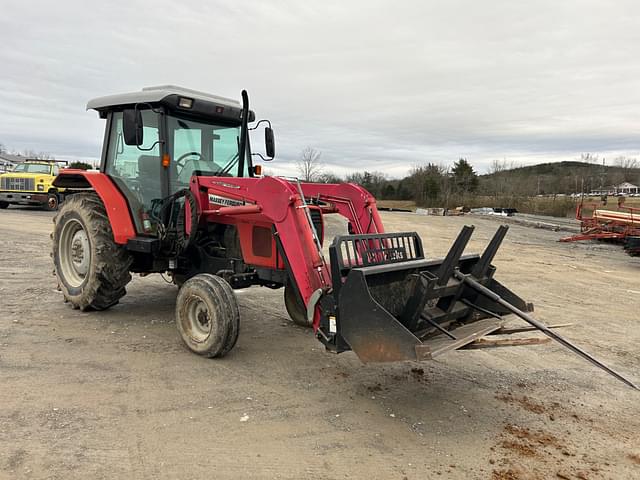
{"type": "Point", "coordinates": [200, 104]}
{"type": "Point", "coordinates": [154, 95]}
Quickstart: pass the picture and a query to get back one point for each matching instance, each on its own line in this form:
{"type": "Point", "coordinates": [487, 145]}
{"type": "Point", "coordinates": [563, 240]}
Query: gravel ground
{"type": "Point", "coordinates": [115, 395]}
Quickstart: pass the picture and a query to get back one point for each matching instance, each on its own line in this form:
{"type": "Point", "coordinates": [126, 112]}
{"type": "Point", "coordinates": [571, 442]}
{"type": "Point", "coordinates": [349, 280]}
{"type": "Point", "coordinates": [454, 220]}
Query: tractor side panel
{"type": "Point", "coordinates": [258, 245]}
{"type": "Point", "coordinates": [114, 201]}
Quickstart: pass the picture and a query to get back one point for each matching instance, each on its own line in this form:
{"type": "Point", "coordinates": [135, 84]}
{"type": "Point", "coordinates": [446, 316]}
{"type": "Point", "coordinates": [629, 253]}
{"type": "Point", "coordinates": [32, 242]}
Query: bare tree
{"type": "Point", "coordinates": [3, 149]}
{"type": "Point", "coordinates": [37, 155]}
{"type": "Point", "coordinates": [374, 182]}
{"type": "Point", "coordinates": [626, 162]}
{"type": "Point", "coordinates": [309, 164]}
{"type": "Point", "coordinates": [329, 178]}
{"type": "Point", "coordinates": [589, 158]}
{"type": "Point", "coordinates": [498, 166]}
{"type": "Point", "coordinates": [629, 168]}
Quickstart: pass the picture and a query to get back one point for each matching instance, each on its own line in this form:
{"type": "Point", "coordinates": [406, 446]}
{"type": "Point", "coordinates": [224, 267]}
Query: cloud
{"type": "Point", "coordinates": [375, 85]}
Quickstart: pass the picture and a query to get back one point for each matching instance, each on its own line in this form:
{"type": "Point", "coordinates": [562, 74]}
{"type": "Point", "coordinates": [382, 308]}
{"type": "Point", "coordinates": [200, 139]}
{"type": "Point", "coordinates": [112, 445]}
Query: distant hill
{"type": "Point", "coordinates": [558, 177]}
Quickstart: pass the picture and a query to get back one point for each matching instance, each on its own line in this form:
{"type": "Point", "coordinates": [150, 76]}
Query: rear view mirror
{"type": "Point", "coordinates": [132, 126]}
{"type": "Point", "coordinates": [269, 143]}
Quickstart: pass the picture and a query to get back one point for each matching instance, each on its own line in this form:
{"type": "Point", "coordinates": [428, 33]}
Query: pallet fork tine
{"type": "Point", "coordinates": [541, 326]}
{"type": "Point", "coordinates": [450, 262]}
{"type": "Point", "coordinates": [489, 253]}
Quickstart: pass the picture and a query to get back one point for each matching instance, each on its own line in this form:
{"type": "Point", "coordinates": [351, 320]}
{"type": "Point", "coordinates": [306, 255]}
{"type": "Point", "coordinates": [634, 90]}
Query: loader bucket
{"type": "Point", "coordinates": [394, 305]}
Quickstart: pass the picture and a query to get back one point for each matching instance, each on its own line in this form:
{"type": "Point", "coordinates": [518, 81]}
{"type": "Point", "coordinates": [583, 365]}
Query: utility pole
{"type": "Point", "coordinates": [603, 175]}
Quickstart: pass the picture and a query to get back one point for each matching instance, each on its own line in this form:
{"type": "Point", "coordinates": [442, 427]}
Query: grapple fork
{"type": "Point", "coordinates": [392, 304]}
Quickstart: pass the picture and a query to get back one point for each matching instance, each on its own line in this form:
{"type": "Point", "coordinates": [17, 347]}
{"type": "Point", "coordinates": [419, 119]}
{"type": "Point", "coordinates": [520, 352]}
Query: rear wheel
{"type": "Point", "coordinates": [207, 315]}
{"type": "Point", "coordinates": [92, 269]}
{"type": "Point", "coordinates": [4, 205]}
{"type": "Point", "coordinates": [295, 306]}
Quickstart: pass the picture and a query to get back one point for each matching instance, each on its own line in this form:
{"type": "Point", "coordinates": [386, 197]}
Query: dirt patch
{"type": "Point", "coordinates": [525, 402]}
{"type": "Point", "coordinates": [539, 437]}
{"type": "Point", "coordinates": [510, 474]}
{"type": "Point", "coordinates": [635, 458]}
{"type": "Point", "coordinates": [16, 459]}
{"type": "Point", "coordinates": [524, 442]}
{"type": "Point", "coordinates": [519, 448]}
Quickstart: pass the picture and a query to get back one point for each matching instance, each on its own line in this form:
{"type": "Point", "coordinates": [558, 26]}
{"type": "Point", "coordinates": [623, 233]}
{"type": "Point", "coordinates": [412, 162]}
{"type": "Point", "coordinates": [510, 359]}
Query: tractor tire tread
{"type": "Point", "coordinates": [234, 311]}
{"type": "Point", "coordinates": [109, 272]}
{"type": "Point", "coordinates": [295, 308]}
{"type": "Point", "coordinates": [227, 315]}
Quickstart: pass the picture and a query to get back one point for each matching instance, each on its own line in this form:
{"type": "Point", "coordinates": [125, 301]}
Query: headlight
{"type": "Point", "coordinates": [40, 187]}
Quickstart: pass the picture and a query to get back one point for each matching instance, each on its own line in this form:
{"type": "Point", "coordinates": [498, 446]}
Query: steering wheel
{"type": "Point", "coordinates": [181, 160]}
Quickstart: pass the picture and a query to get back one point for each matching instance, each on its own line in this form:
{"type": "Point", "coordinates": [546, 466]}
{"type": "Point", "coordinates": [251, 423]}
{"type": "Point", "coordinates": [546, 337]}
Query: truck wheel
{"type": "Point", "coordinates": [4, 205]}
{"type": "Point", "coordinates": [92, 269]}
{"type": "Point", "coordinates": [207, 315]}
{"type": "Point", "coordinates": [295, 307]}
{"type": "Point", "coordinates": [52, 203]}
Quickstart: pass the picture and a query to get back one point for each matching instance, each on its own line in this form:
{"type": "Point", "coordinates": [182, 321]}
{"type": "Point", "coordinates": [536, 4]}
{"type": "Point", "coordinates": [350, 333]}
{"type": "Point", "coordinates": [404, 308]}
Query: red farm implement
{"type": "Point", "coordinates": [621, 225]}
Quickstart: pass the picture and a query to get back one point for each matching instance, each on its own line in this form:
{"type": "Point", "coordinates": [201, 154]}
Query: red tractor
{"type": "Point", "coordinates": [177, 192]}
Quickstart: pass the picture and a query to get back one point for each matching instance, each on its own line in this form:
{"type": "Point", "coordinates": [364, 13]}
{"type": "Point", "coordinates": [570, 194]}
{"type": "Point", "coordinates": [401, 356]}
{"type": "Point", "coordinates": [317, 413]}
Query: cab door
{"type": "Point", "coordinates": [137, 170]}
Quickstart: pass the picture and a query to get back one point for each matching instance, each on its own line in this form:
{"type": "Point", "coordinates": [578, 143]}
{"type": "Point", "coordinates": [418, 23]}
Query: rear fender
{"type": "Point", "coordinates": [114, 201]}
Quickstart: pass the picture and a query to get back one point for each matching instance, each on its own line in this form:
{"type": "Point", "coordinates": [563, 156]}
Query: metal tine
{"type": "Point", "coordinates": [438, 327]}
{"type": "Point", "coordinates": [451, 260]}
{"type": "Point", "coordinates": [540, 326]}
{"type": "Point", "coordinates": [481, 268]}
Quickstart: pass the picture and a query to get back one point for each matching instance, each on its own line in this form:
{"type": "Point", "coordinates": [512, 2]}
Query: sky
{"type": "Point", "coordinates": [373, 85]}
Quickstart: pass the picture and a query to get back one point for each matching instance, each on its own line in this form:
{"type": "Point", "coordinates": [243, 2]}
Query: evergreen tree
{"type": "Point", "coordinates": [80, 165]}
{"type": "Point", "coordinates": [464, 178]}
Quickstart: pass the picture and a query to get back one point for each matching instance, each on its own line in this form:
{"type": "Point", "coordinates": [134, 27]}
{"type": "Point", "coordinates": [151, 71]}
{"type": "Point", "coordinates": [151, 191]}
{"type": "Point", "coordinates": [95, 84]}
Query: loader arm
{"type": "Point", "coordinates": [284, 203]}
{"type": "Point", "coordinates": [281, 203]}
{"type": "Point", "coordinates": [351, 201]}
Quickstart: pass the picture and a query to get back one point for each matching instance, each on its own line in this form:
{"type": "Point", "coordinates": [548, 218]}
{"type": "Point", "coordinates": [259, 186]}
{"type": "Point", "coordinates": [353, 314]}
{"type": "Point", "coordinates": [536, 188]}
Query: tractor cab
{"type": "Point", "coordinates": [158, 138]}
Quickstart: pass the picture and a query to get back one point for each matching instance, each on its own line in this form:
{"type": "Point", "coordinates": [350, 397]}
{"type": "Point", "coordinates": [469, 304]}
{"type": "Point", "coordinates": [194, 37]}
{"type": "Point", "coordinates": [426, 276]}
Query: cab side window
{"type": "Point", "coordinates": [136, 170]}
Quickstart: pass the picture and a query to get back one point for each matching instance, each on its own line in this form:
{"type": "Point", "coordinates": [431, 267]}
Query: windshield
{"type": "Point", "coordinates": [33, 168]}
{"type": "Point", "coordinates": [207, 148]}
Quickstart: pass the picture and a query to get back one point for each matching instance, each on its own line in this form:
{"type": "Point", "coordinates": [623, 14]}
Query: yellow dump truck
{"type": "Point", "coordinates": [30, 183]}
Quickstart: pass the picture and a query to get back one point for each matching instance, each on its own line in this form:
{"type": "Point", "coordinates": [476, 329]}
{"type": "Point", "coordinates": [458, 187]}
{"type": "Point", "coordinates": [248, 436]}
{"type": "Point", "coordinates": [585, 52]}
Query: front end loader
{"type": "Point", "coordinates": [177, 192]}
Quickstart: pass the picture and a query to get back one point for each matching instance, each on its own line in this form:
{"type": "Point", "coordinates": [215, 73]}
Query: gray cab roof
{"type": "Point", "coordinates": [157, 94]}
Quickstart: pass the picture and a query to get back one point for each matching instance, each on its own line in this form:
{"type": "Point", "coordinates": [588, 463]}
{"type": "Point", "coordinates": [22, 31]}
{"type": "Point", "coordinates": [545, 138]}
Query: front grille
{"type": "Point", "coordinates": [19, 184]}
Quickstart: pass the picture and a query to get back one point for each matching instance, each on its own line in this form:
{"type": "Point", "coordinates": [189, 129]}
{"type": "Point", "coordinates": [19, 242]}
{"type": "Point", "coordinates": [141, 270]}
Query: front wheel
{"type": "Point", "coordinates": [4, 205]}
{"type": "Point", "coordinates": [52, 202]}
{"type": "Point", "coordinates": [295, 306]}
{"type": "Point", "coordinates": [207, 315]}
{"type": "Point", "coordinates": [92, 269]}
